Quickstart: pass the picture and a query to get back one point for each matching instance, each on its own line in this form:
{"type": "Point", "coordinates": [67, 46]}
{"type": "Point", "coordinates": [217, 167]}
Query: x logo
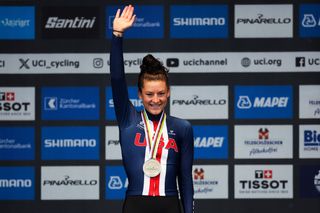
{"type": "Point", "coordinates": [24, 63]}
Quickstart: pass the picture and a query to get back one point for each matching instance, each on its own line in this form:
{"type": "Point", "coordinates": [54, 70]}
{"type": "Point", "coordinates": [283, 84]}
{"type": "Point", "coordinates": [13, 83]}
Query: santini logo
{"type": "Point", "coordinates": [75, 23]}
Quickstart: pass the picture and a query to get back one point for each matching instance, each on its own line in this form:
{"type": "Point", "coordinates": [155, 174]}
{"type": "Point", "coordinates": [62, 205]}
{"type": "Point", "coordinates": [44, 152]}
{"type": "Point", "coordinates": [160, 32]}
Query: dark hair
{"type": "Point", "coordinates": [152, 69]}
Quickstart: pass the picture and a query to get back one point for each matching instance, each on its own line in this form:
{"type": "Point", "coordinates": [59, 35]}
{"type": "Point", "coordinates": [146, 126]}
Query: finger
{"type": "Point", "coordinates": [130, 12]}
{"type": "Point", "coordinates": [118, 13]}
{"type": "Point", "coordinates": [124, 11]}
{"type": "Point", "coordinates": [133, 18]}
{"type": "Point", "coordinates": [129, 9]}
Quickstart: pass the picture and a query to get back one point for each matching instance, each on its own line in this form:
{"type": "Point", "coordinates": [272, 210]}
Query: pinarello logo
{"type": "Point", "coordinates": [198, 174]}
{"type": "Point", "coordinates": [7, 96]}
{"type": "Point", "coordinates": [263, 133]}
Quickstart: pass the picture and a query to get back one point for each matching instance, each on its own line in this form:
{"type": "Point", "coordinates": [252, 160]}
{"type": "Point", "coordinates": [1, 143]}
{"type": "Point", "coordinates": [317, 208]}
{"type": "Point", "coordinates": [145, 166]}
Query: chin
{"type": "Point", "coordinates": [155, 111]}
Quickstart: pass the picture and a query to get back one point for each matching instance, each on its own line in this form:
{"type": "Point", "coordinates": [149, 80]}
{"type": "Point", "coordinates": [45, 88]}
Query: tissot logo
{"type": "Point", "coordinates": [70, 22]}
{"type": "Point", "coordinates": [16, 103]}
{"type": "Point", "coordinates": [261, 181]}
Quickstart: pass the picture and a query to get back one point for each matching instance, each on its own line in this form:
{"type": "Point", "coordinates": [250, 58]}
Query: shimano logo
{"type": "Point", "coordinates": [262, 20]}
{"type": "Point", "coordinates": [15, 23]}
{"type": "Point", "coordinates": [197, 101]}
{"type": "Point", "coordinates": [72, 23]}
{"type": "Point", "coordinates": [69, 143]}
{"type": "Point", "coordinates": [15, 183]}
{"type": "Point", "coordinates": [205, 142]}
{"type": "Point", "coordinates": [207, 21]}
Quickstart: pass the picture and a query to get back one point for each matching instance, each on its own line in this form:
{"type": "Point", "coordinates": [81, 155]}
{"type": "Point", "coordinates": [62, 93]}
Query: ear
{"type": "Point", "coordinates": [168, 94]}
{"type": "Point", "coordinates": [139, 94]}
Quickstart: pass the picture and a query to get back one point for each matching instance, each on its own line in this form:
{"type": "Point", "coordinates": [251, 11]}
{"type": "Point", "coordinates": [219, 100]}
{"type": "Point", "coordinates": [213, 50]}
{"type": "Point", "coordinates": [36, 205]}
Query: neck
{"type": "Point", "coordinates": [154, 117]}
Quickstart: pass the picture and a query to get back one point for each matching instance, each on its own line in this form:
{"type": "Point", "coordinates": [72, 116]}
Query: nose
{"type": "Point", "coordinates": [155, 99]}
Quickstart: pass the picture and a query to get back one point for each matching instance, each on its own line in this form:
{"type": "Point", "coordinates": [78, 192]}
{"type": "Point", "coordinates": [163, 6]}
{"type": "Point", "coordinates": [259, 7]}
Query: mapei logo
{"type": "Point", "coordinates": [198, 174]}
{"type": "Point", "coordinates": [263, 102]}
{"type": "Point", "coordinates": [116, 183]}
{"type": "Point", "coordinates": [201, 21]}
{"type": "Point", "coordinates": [210, 142]}
{"type": "Point", "coordinates": [309, 20]}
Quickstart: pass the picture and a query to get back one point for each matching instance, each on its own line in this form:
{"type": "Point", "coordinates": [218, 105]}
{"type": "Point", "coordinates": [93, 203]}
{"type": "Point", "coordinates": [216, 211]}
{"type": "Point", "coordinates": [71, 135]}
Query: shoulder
{"type": "Point", "coordinates": [179, 122]}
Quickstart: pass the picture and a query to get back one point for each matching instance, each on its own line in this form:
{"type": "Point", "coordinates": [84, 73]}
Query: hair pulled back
{"type": "Point", "coordinates": [152, 69]}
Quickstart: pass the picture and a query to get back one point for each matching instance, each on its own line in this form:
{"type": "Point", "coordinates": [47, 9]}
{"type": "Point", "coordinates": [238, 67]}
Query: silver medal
{"type": "Point", "coordinates": [152, 168]}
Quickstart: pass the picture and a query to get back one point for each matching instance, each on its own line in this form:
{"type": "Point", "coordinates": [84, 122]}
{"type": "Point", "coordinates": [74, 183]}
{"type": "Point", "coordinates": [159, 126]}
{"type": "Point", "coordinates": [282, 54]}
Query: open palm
{"type": "Point", "coordinates": [125, 20]}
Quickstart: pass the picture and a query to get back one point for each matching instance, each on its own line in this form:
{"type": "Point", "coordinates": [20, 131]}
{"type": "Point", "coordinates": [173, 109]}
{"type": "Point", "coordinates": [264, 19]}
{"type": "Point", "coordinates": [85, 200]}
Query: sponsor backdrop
{"type": "Point", "coordinates": [246, 74]}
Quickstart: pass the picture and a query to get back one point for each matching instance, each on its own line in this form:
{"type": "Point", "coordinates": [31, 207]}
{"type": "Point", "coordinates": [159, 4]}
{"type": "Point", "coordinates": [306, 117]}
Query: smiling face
{"type": "Point", "coordinates": [154, 95]}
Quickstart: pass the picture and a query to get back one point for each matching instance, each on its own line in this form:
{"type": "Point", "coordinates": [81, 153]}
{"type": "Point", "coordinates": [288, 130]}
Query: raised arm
{"type": "Point", "coordinates": [118, 82]}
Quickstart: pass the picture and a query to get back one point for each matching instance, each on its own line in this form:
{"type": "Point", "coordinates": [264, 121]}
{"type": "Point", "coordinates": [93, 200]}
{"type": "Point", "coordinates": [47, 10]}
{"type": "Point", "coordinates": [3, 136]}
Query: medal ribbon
{"type": "Point", "coordinates": [153, 144]}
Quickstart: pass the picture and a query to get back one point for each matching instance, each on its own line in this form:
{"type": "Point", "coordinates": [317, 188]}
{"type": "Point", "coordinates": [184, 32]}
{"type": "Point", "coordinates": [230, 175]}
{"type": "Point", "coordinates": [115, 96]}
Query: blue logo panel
{"type": "Point", "coordinates": [17, 143]}
{"type": "Point", "coordinates": [70, 143]}
{"type": "Point", "coordinates": [205, 21]}
{"type": "Point", "coordinates": [263, 102]}
{"type": "Point", "coordinates": [70, 103]}
{"type": "Point", "coordinates": [17, 22]}
{"type": "Point", "coordinates": [133, 96]}
{"type": "Point", "coordinates": [116, 183]}
{"type": "Point", "coordinates": [148, 24]}
{"type": "Point", "coordinates": [309, 20]}
{"type": "Point", "coordinates": [210, 142]}
{"type": "Point", "coordinates": [310, 181]}
{"type": "Point", "coordinates": [17, 183]}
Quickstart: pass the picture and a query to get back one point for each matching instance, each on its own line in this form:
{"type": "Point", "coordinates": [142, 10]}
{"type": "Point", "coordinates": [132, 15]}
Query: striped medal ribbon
{"type": "Point", "coordinates": [152, 167]}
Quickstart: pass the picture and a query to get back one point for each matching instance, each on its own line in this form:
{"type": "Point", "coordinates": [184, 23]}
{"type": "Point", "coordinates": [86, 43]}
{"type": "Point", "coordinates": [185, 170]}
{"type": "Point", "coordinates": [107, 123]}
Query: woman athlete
{"type": "Point", "coordinates": [157, 149]}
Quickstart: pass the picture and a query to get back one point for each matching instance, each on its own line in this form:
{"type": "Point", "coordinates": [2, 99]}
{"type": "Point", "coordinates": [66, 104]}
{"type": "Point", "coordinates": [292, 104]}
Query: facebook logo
{"type": "Point", "coordinates": [300, 61]}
